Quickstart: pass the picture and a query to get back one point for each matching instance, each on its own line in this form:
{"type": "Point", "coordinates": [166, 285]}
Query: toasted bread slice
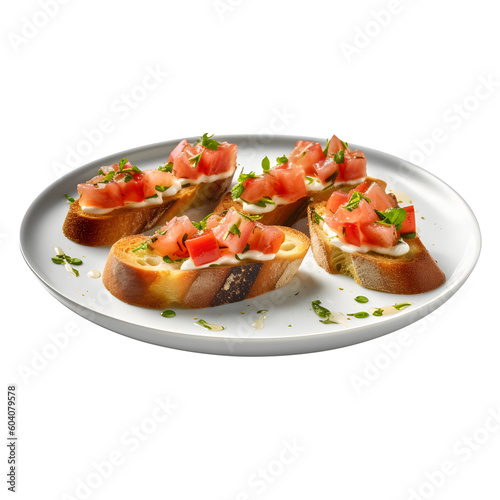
{"type": "Point", "coordinates": [102, 230]}
{"type": "Point", "coordinates": [288, 215]}
{"type": "Point", "coordinates": [414, 272]}
{"type": "Point", "coordinates": [142, 277]}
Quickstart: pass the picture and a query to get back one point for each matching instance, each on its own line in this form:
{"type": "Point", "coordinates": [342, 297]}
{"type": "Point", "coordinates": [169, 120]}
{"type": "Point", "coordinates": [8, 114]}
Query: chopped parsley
{"type": "Point", "coordinates": [325, 151]}
{"type": "Point", "coordinates": [142, 246]}
{"type": "Point", "coordinates": [281, 160]}
{"type": "Point", "coordinates": [339, 157]}
{"type": "Point", "coordinates": [202, 224]}
{"type": "Point", "coordinates": [266, 164]}
{"type": "Point", "coordinates": [238, 189]}
{"type": "Point", "coordinates": [194, 160]}
{"type": "Point", "coordinates": [168, 167]}
{"type": "Point", "coordinates": [71, 200]}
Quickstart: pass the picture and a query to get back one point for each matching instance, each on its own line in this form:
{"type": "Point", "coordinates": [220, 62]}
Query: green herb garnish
{"type": "Point", "coordinates": [202, 224]}
{"type": "Point", "coordinates": [108, 177]}
{"type": "Point", "coordinates": [238, 189]}
{"type": "Point", "coordinates": [204, 324]}
{"type": "Point", "coordinates": [409, 235]}
{"type": "Point", "coordinates": [266, 164]}
{"type": "Point", "coordinates": [378, 312]}
{"type": "Point", "coordinates": [67, 260]}
{"type": "Point", "coordinates": [392, 216]}
{"type": "Point", "coordinates": [262, 311]}
{"type": "Point", "coordinates": [316, 217]}
{"type": "Point", "coordinates": [71, 200]}
{"type": "Point", "coordinates": [249, 217]}
{"type": "Point", "coordinates": [208, 142]}
{"type": "Point", "coordinates": [402, 305]}
{"type": "Point", "coordinates": [262, 203]}
{"type": "Point", "coordinates": [355, 200]}
{"type": "Point", "coordinates": [168, 313]}
{"type": "Point", "coordinates": [281, 160]}
{"type": "Point", "coordinates": [142, 246]}
{"type": "Point", "coordinates": [153, 196]}
{"type": "Point", "coordinates": [361, 299]}
{"type": "Point", "coordinates": [325, 151]}
{"type": "Point", "coordinates": [339, 157]}
{"type": "Point", "coordinates": [194, 160]}
{"type": "Point", "coordinates": [361, 314]}
{"type": "Point", "coordinates": [234, 229]}
{"type": "Point", "coordinates": [162, 189]}
{"type": "Point", "coordinates": [168, 167]}
{"type": "Point", "coordinates": [321, 311]}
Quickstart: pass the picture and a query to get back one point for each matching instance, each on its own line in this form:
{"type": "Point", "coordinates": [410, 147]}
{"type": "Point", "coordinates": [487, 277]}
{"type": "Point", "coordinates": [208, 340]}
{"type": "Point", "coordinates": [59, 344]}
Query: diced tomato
{"type": "Point", "coordinates": [289, 183]}
{"type": "Point", "coordinates": [337, 199]}
{"type": "Point", "coordinates": [379, 235]}
{"type": "Point", "coordinates": [379, 199]}
{"type": "Point", "coordinates": [360, 188]}
{"type": "Point", "coordinates": [351, 233]}
{"type": "Point", "coordinates": [172, 243]}
{"type": "Point", "coordinates": [213, 221]}
{"type": "Point", "coordinates": [409, 225]}
{"type": "Point", "coordinates": [175, 152]}
{"type": "Point", "coordinates": [363, 214]}
{"type": "Point", "coordinates": [183, 168]}
{"type": "Point", "coordinates": [305, 155]}
{"type": "Point", "coordinates": [234, 230]}
{"type": "Point", "coordinates": [154, 178]}
{"type": "Point", "coordinates": [203, 249]}
{"type": "Point", "coordinates": [210, 162]}
{"type": "Point", "coordinates": [101, 196]}
{"type": "Point", "coordinates": [327, 170]}
{"type": "Point", "coordinates": [266, 239]}
{"type": "Point", "coordinates": [217, 162]}
{"type": "Point", "coordinates": [335, 146]}
{"type": "Point", "coordinates": [354, 166]}
{"type": "Point", "coordinates": [133, 189]}
{"type": "Point", "coordinates": [258, 187]}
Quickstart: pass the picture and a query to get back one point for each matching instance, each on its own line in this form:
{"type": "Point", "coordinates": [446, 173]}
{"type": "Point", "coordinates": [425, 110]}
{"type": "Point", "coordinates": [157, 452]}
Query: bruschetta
{"type": "Point", "coordinates": [310, 173]}
{"type": "Point", "coordinates": [217, 261]}
{"type": "Point", "coordinates": [365, 234]}
{"type": "Point", "coordinates": [122, 199]}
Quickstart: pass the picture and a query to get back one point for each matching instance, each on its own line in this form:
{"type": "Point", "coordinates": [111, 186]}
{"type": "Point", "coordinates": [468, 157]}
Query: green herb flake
{"type": "Point", "coordinates": [108, 177]}
{"type": "Point", "coordinates": [321, 311]}
{"type": "Point", "coordinates": [354, 201]}
{"type": "Point", "coordinates": [361, 299]}
{"type": "Point", "coordinates": [394, 216]}
{"type": "Point", "coordinates": [402, 305]}
{"type": "Point", "coordinates": [168, 167]}
{"type": "Point", "coordinates": [339, 157]}
{"type": "Point", "coordinates": [168, 313]}
{"type": "Point", "coordinates": [161, 189]}
{"type": "Point", "coordinates": [209, 143]}
{"type": "Point", "coordinates": [154, 196]}
{"type": "Point", "coordinates": [378, 312]}
{"type": "Point", "coordinates": [204, 324]}
{"type": "Point", "coordinates": [57, 260]}
{"type": "Point", "coordinates": [409, 235]}
{"type": "Point", "coordinates": [71, 200]}
{"type": "Point", "coordinates": [266, 164]}
{"type": "Point", "coordinates": [281, 160]}
{"type": "Point", "coordinates": [325, 151]}
{"type": "Point", "coordinates": [142, 246]}
{"type": "Point", "coordinates": [202, 224]}
{"type": "Point", "coordinates": [316, 217]}
{"type": "Point", "coordinates": [194, 160]}
{"type": "Point", "coordinates": [262, 311]}
{"type": "Point", "coordinates": [361, 314]}
{"type": "Point", "coordinates": [234, 229]}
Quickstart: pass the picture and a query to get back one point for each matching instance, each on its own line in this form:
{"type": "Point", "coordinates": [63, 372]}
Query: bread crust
{"type": "Point", "coordinates": [103, 230]}
{"type": "Point", "coordinates": [287, 215]}
{"type": "Point", "coordinates": [142, 278]}
{"type": "Point", "coordinates": [412, 273]}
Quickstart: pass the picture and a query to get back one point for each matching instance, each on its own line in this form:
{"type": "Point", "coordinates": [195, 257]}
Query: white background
{"type": "Point", "coordinates": [413, 87]}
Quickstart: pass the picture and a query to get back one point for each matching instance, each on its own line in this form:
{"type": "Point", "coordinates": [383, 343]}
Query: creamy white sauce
{"type": "Point", "coordinates": [258, 324]}
{"type": "Point", "coordinates": [352, 182]}
{"type": "Point", "coordinates": [94, 273]}
{"type": "Point", "coordinates": [388, 310]}
{"type": "Point", "coordinates": [173, 189]}
{"type": "Point", "coordinates": [251, 208]}
{"type": "Point", "coordinates": [397, 250]}
{"type": "Point", "coordinates": [188, 265]}
{"type": "Point", "coordinates": [211, 326]}
{"type": "Point", "coordinates": [207, 178]}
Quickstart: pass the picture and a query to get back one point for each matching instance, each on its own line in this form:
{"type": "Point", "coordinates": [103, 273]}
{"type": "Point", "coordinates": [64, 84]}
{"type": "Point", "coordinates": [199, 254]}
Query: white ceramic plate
{"type": "Point", "coordinates": [446, 225]}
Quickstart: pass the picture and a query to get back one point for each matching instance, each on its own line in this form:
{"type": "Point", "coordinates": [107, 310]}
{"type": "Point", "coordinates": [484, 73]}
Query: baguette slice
{"type": "Point", "coordinates": [287, 215]}
{"type": "Point", "coordinates": [103, 230]}
{"type": "Point", "coordinates": [142, 278]}
{"type": "Point", "coordinates": [414, 272]}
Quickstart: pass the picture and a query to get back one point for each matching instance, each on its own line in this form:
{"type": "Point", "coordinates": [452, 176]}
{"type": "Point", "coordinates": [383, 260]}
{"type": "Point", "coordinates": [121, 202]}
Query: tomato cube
{"type": "Point", "coordinates": [203, 249]}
